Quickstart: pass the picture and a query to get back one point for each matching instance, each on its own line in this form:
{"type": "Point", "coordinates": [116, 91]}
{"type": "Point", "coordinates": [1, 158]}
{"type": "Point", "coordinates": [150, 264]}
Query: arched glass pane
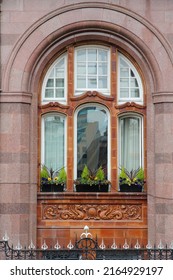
{"type": "Point", "coordinates": [54, 86]}
{"type": "Point", "coordinates": [130, 85]}
{"type": "Point", "coordinates": [130, 142]}
{"type": "Point", "coordinates": [92, 139]}
{"type": "Point", "coordinates": [54, 141]}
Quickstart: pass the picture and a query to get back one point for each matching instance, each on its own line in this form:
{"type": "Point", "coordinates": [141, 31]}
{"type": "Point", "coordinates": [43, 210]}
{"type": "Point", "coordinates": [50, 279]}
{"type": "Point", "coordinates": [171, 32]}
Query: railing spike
{"type": "Point", "coordinates": [44, 246]}
{"type": "Point", "coordinates": [126, 246]}
{"type": "Point", "coordinates": [160, 245]}
{"type": "Point", "coordinates": [102, 245]}
{"type": "Point", "coordinates": [70, 245]}
{"type": "Point", "coordinates": [57, 245]}
{"type": "Point", "coordinates": [19, 246]}
{"type": "Point", "coordinates": [5, 237]}
{"type": "Point", "coordinates": [149, 245]}
{"type": "Point", "coordinates": [137, 245]}
{"type": "Point", "coordinates": [114, 245]}
{"type": "Point", "coordinates": [31, 246]}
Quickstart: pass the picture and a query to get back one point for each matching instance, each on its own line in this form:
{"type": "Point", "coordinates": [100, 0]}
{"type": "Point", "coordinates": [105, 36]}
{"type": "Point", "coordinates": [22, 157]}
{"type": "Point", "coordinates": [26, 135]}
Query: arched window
{"type": "Point", "coordinates": [100, 92]}
{"type": "Point", "coordinates": [92, 133]}
{"type": "Point", "coordinates": [53, 141]}
{"type": "Point", "coordinates": [130, 85]}
{"type": "Point", "coordinates": [55, 82]}
{"type": "Point", "coordinates": [130, 141]}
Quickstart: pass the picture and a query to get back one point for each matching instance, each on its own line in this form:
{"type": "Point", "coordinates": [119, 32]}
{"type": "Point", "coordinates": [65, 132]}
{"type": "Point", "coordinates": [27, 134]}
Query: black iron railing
{"type": "Point", "coordinates": [87, 248]}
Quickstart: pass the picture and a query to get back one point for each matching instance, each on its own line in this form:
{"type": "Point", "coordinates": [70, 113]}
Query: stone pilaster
{"type": "Point", "coordinates": [17, 195]}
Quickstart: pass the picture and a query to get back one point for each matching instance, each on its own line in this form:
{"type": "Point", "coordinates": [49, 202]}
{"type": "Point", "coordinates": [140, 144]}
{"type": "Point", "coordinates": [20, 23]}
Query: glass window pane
{"type": "Point", "coordinates": [81, 82]}
{"type": "Point", "coordinates": [81, 68]}
{"type": "Point", "coordinates": [102, 55]}
{"type": "Point", "coordinates": [60, 64]}
{"type": "Point", "coordinates": [59, 73]}
{"type": "Point", "coordinates": [132, 73]}
{"type": "Point", "coordinates": [102, 82]}
{"type": "Point", "coordinates": [92, 55]}
{"type": "Point", "coordinates": [92, 82]}
{"type": "Point", "coordinates": [92, 139]}
{"type": "Point", "coordinates": [50, 83]}
{"type": "Point", "coordinates": [102, 68]}
{"type": "Point", "coordinates": [134, 92]}
{"type": "Point", "coordinates": [81, 55]}
{"type": "Point", "coordinates": [59, 82]}
{"type": "Point", "coordinates": [124, 82]}
{"type": "Point", "coordinates": [130, 142]}
{"type": "Point", "coordinates": [54, 142]}
{"type": "Point", "coordinates": [124, 72]}
{"type": "Point", "coordinates": [49, 93]}
{"type": "Point", "coordinates": [92, 68]}
{"type": "Point", "coordinates": [51, 75]}
{"type": "Point", "coordinates": [59, 93]}
{"type": "Point", "coordinates": [123, 63]}
{"type": "Point", "coordinates": [124, 92]}
{"type": "Point", "coordinates": [133, 82]}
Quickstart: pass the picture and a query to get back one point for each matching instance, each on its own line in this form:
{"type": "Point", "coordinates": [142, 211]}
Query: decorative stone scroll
{"type": "Point", "coordinates": [92, 212]}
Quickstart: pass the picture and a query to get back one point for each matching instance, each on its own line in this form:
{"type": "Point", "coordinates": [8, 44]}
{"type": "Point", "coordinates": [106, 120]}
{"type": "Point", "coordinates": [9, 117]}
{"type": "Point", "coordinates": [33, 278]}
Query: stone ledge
{"type": "Point", "coordinates": [15, 97]}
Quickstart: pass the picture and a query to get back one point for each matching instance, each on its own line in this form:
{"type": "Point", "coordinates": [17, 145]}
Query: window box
{"type": "Point", "coordinates": [92, 188]}
{"type": "Point", "coordinates": [131, 188]}
{"type": "Point", "coordinates": [53, 187]}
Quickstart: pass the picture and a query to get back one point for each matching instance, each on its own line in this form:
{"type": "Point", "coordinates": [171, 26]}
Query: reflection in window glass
{"type": "Point", "coordinates": [92, 138]}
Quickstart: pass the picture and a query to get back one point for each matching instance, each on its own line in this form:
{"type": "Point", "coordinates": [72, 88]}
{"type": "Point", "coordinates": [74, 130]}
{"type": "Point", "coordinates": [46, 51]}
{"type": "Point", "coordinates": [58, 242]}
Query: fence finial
{"type": "Point", "coordinates": [86, 234]}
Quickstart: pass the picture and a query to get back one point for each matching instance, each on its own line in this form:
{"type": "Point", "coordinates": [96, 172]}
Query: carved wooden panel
{"type": "Point", "coordinates": [92, 212]}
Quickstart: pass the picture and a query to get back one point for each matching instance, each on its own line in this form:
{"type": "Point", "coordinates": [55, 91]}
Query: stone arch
{"type": "Point", "coordinates": [129, 30]}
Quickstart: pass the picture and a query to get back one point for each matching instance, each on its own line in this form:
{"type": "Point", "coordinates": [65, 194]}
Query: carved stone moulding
{"type": "Point", "coordinates": [92, 212]}
{"type": "Point", "coordinates": [53, 104]}
{"type": "Point", "coordinates": [130, 105]}
{"type": "Point", "coordinates": [92, 94]}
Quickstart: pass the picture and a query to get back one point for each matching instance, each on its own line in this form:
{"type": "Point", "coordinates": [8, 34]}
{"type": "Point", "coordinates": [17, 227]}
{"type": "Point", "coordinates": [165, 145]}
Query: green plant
{"type": "Point", "coordinates": [44, 173]}
{"type": "Point", "coordinates": [62, 176]}
{"type": "Point", "coordinates": [133, 177]}
{"type": "Point", "coordinates": [92, 177]}
{"type": "Point", "coordinates": [50, 176]}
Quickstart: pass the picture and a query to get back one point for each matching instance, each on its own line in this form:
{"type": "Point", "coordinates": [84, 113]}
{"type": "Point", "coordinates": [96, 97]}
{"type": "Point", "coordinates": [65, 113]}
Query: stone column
{"type": "Point", "coordinates": [17, 194]}
{"type": "Point", "coordinates": [160, 194]}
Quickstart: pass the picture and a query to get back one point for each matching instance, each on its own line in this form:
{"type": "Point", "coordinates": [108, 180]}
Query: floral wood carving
{"type": "Point", "coordinates": [92, 94]}
{"type": "Point", "coordinates": [92, 212]}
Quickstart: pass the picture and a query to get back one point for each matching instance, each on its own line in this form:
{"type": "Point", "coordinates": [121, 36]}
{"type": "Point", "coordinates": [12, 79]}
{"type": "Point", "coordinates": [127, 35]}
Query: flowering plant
{"type": "Point", "coordinates": [92, 178]}
{"type": "Point", "coordinates": [50, 176]}
{"type": "Point", "coordinates": [133, 177]}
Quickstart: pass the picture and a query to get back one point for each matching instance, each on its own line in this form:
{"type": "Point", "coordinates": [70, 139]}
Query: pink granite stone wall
{"type": "Point", "coordinates": [31, 34]}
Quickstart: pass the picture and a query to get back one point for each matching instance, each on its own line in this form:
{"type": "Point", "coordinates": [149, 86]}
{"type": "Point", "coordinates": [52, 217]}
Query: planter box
{"type": "Point", "coordinates": [92, 188]}
{"type": "Point", "coordinates": [52, 187]}
{"type": "Point", "coordinates": [132, 188]}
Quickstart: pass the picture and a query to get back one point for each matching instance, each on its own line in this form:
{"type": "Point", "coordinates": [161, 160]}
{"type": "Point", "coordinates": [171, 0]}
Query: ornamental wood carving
{"type": "Point", "coordinates": [92, 212]}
